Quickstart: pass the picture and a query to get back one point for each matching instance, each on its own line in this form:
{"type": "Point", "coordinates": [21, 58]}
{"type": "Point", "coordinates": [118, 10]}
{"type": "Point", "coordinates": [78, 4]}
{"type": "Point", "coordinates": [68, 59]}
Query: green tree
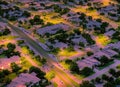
{"type": "Point", "coordinates": [15, 67]}
{"type": "Point", "coordinates": [26, 14]}
{"type": "Point", "coordinates": [117, 81]}
{"type": "Point", "coordinates": [86, 84]}
{"type": "Point", "coordinates": [40, 74]}
{"type": "Point", "coordinates": [108, 84]}
{"type": "Point", "coordinates": [86, 71]}
{"type": "Point", "coordinates": [11, 47]}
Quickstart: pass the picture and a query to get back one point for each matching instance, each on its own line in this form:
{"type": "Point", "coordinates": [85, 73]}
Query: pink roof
{"type": "Point", "coordinates": [4, 62]}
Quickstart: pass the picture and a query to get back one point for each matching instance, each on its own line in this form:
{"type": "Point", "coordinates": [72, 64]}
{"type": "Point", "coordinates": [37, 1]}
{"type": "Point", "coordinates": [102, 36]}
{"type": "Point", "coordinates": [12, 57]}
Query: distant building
{"type": "Point", "coordinates": [25, 79]}
{"type": "Point", "coordinates": [25, 1]}
{"type": "Point", "coordinates": [52, 29]}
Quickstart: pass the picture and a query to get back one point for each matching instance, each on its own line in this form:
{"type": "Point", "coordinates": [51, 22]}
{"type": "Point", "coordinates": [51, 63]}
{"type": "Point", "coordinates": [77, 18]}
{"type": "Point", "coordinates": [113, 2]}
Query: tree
{"type": "Point", "coordinates": [88, 38]}
{"type": "Point", "coordinates": [105, 77]}
{"type": "Point", "coordinates": [108, 84]}
{"type": "Point", "coordinates": [117, 81]}
{"type": "Point", "coordinates": [117, 74]}
{"type": "Point", "coordinates": [19, 42]}
{"type": "Point", "coordinates": [40, 74]}
{"type": "Point", "coordinates": [118, 1]}
{"type": "Point", "coordinates": [15, 67]}
{"type": "Point", "coordinates": [98, 80]}
{"type": "Point", "coordinates": [7, 80]}
{"type": "Point", "coordinates": [70, 48]}
{"type": "Point", "coordinates": [57, 8]}
{"type": "Point", "coordinates": [43, 61]}
{"type": "Point", "coordinates": [26, 13]}
{"type": "Point", "coordinates": [86, 71]}
{"type": "Point", "coordinates": [17, 53]}
{"type": "Point", "coordinates": [55, 50]}
{"type": "Point", "coordinates": [87, 84]}
{"type": "Point", "coordinates": [104, 60]}
{"type": "Point", "coordinates": [11, 47]}
{"type": "Point", "coordinates": [112, 71]}
{"type": "Point", "coordinates": [64, 11]}
{"type": "Point", "coordinates": [2, 75]}
{"type": "Point", "coordinates": [81, 44]}
{"type": "Point", "coordinates": [89, 53]}
{"type": "Point", "coordinates": [104, 25]}
{"type": "Point", "coordinates": [36, 20]}
{"type": "Point", "coordinates": [31, 52]}
{"type": "Point", "coordinates": [77, 31]}
{"type": "Point", "coordinates": [6, 72]}
{"type": "Point", "coordinates": [72, 66]}
{"type": "Point", "coordinates": [6, 31]}
{"type": "Point", "coordinates": [68, 61]}
{"type": "Point", "coordinates": [111, 79]}
{"type": "Point", "coordinates": [31, 21]}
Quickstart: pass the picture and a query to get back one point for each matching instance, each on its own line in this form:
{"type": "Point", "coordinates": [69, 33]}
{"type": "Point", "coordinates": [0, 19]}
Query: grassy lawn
{"type": "Point", "coordinates": [25, 63]}
{"type": "Point", "coordinates": [52, 17]}
{"type": "Point", "coordinates": [67, 54]}
{"type": "Point", "coordinates": [26, 51]}
{"type": "Point", "coordinates": [102, 40]}
{"type": "Point", "coordinates": [61, 75]}
{"type": "Point", "coordinates": [9, 37]}
{"type": "Point", "coordinates": [42, 40]}
{"type": "Point", "coordinates": [118, 67]}
{"type": "Point", "coordinates": [108, 64]}
{"type": "Point", "coordinates": [67, 85]}
{"type": "Point", "coordinates": [26, 26]}
{"type": "Point", "coordinates": [118, 58]}
{"type": "Point", "coordinates": [2, 56]}
{"type": "Point", "coordinates": [114, 40]}
{"type": "Point", "coordinates": [66, 66]}
{"type": "Point", "coordinates": [50, 75]}
{"type": "Point", "coordinates": [80, 77]}
{"type": "Point", "coordinates": [38, 63]}
{"type": "Point", "coordinates": [55, 84]}
{"type": "Point", "coordinates": [90, 74]}
{"type": "Point", "coordinates": [11, 76]}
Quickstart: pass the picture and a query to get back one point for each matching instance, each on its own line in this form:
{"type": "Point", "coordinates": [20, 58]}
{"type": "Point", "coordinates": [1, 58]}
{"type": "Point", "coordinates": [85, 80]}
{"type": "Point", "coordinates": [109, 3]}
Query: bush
{"type": "Point", "coordinates": [108, 84]}
{"type": "Point", "coordinates": [98, 80]}
{"type": "Point", "coordinates": [73, 66]}
{"type": "Point", "coordinates": [86, 71]}
{"type": "Point", "coordinates": [112, 71]}
{"type": "Point", "coordinates": [117, 81]}
{"type": "Point", "coordinates": [15, 67]}
{"type": "Point", "coordinates": [105, 77]}
{"type": "Point", "coordinates": [89, 53]}
{"type": "Point", "coordinates": [40, 74]}
{"type": "Point", "coordinates": [86, 84]}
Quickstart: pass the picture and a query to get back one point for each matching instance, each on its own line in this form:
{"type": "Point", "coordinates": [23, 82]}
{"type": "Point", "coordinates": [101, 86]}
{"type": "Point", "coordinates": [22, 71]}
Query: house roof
{"type": "Point", "coordinates": [24, 78]}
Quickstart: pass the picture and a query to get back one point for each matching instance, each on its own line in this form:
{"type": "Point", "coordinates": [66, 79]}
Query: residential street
{"type": "Point", "coordinates": [103, 71]}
